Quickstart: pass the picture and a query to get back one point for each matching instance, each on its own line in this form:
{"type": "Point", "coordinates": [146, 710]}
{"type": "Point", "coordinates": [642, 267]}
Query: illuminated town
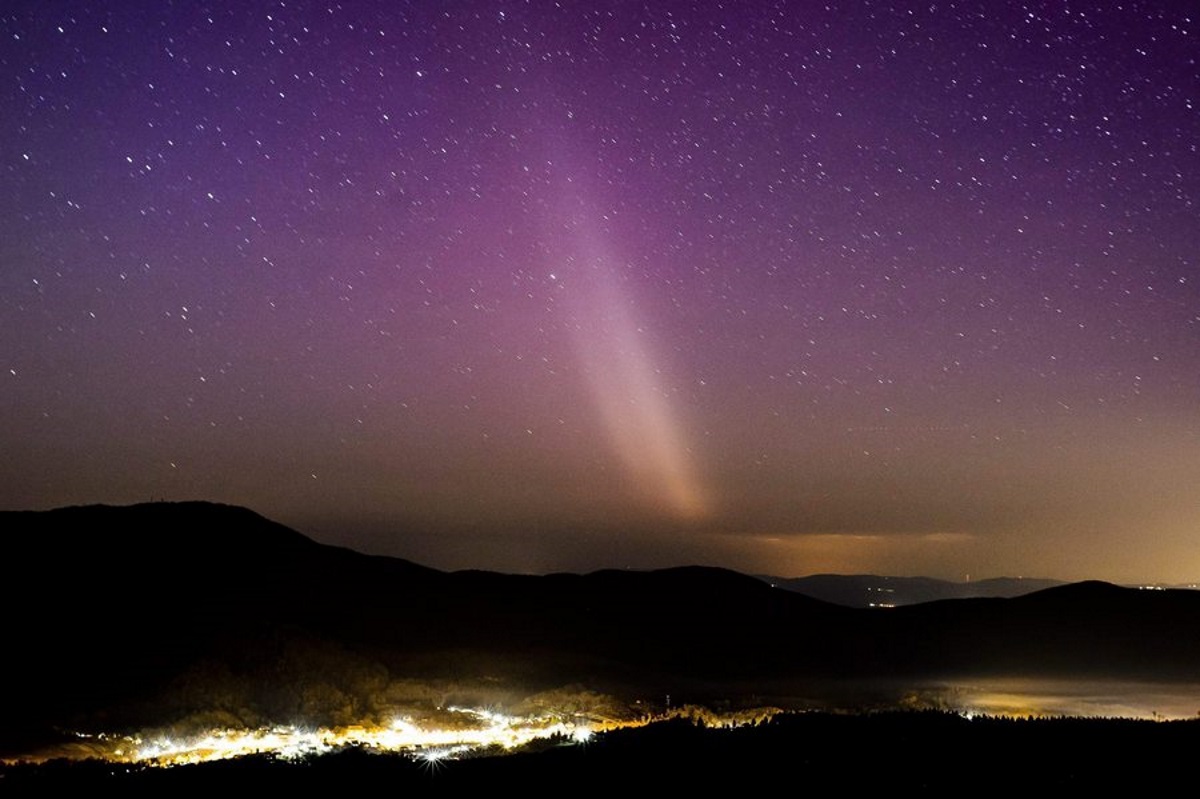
{"type": "Point", "coordinates": [457, 732]}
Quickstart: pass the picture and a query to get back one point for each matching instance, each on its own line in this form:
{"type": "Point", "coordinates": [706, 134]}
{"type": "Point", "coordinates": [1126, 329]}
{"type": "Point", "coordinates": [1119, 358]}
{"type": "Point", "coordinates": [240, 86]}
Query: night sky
{"type": "Point", "coordinates": [784, 287]}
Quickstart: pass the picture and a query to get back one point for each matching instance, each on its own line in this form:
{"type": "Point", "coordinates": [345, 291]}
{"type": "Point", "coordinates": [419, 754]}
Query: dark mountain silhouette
{"type": "Point", "coordinates": [120, 615]}
{"type": "Point", "coordinates": [872, 590]}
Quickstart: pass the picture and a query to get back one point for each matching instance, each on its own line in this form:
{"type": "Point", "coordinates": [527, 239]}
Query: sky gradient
{"type": "Point", "coordinates": [785, 287]}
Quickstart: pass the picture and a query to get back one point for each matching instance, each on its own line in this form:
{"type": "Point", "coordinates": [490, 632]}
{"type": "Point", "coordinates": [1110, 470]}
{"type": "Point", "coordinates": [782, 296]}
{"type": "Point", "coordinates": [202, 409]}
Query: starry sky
{"type": "Point", "coordinates": [788, 287]}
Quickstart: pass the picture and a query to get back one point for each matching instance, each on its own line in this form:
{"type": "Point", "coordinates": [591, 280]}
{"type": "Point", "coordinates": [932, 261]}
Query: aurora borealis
{"type": "Point", "coordinates": [784, 287]}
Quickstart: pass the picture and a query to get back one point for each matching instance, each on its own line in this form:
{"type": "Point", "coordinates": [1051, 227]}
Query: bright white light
{"type": "Point", "coordinates": [475, 729]}
{"type": "Point", "coordinates": [483, 729]}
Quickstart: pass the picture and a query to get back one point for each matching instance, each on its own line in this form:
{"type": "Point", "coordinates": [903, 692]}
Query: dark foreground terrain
{"type": "Point", "coordinates": [193, 616]}
{"type": "Point", "coordinates": [932, 751]}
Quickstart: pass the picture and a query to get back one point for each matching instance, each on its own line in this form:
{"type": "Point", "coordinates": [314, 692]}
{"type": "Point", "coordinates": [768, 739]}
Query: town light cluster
{"type": "Point", "coordinates": [455, 732]}
{"type": "Point", "coordinates": [477, 730]}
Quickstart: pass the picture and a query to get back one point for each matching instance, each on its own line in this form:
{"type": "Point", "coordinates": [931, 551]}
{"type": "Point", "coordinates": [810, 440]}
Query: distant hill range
{"type": "Point", "coordinates": [116, 615]}
{"type": "Point", "coordinates": [875, 591]}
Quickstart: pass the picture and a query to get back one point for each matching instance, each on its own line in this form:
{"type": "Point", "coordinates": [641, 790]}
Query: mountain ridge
{"type": "Point", "coordinates": [273, 622]}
